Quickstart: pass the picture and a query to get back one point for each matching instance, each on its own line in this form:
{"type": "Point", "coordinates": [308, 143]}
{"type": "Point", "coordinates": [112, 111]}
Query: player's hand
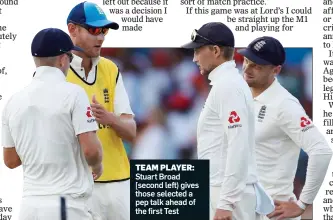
{"type": "Point", "coordinates": [102, 116]}
{"type": "Point", "coordinates": [284, 209]}
{"type": "Point", "coordinates": [97, 171]}
{"type": "Point", "coordinates": [221, 214]}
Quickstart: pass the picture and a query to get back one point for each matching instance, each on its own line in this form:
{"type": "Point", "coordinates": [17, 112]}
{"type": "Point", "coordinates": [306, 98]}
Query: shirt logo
{"type": "Point", "coordinates": [304, 124]}
{"type": "Point", "coordinates": [259, 45]}
{"type": "Point", "coordinates": [106, 95]}
{"type": "Point", "coordinates": [262, 113]}
{"type": "Point", "coordinates": [233, 117]}
{"type": "Point", "coordinates": [89, 112]}
{"type": "Point", "coordinates": [90, 115]}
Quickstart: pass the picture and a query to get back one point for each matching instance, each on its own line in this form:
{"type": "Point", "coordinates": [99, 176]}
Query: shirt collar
{"type": "Point", "coordinates": [222, 71]}
{"type": "Point", "coordinates": [49, 73]}
{"type": "Point", "coordinates": [77, 62]}
{"type": "Point", "coordinates": [269, 93]}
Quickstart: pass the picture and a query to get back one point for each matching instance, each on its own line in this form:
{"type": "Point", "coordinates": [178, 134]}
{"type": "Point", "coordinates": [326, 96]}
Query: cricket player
{"type": "Point", "coordinates": [102, 81]}
{"type": "Point", "coordinates": [225, 133]}
{"type": "Point", "coordinates": [282, 128]}
{"type": "Point", "coordinates": [48, 129]}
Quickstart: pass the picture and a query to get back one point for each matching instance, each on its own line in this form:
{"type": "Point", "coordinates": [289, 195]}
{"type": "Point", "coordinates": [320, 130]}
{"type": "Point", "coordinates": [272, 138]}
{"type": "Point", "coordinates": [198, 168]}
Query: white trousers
{"type": "Point", "coordinates": [282, 198]}
{"type": "Point", "coordinates": [244, 209]}
{"type": "Point", "coordinates": [49, 208]}
{"type": "Point", "coordinates": [111, 201]}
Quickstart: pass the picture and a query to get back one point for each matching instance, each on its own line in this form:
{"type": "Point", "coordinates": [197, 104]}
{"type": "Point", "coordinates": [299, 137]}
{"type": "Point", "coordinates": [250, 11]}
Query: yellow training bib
{"type": "Point", "coordinates": [115, 160]}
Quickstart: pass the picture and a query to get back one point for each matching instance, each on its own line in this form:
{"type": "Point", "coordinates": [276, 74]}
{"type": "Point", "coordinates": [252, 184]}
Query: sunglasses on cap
{"type": "Point", "coordinates": [93, 30]}
{"type": "Point", "coordinates": [195, 35]}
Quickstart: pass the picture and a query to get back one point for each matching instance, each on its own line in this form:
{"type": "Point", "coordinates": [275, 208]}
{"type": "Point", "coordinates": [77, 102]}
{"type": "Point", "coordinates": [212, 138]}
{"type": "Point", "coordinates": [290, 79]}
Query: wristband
{"type": "Point", "coordinates": [301, 204]}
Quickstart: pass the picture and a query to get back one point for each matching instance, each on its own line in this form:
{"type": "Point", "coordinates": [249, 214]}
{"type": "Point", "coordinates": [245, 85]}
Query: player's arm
{"type": "Point", "coordinates": [10, 156]}
{"type": "Point", "coordinates": [297, 125]}
{"type": "Point", "coordinates": [85, 127]}
{"type": "Point", "coordinates": [236, 130]}
{"type": "Point", "coordinates": [122, 120]}
{"type": "Point", "coordinates": [125, 126]}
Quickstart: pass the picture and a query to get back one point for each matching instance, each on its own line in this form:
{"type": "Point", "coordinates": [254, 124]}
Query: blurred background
{"type": "Point", "coordinates": [167, 93]}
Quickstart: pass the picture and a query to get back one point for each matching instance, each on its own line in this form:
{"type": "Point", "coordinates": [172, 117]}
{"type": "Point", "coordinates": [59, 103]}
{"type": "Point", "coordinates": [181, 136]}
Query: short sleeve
{"type": "Point", "coordinates": [6, 136]}
{"type": "Point", "coordinates": [121, 100]}
{"type": "Point", "coordinates": [82, 117]}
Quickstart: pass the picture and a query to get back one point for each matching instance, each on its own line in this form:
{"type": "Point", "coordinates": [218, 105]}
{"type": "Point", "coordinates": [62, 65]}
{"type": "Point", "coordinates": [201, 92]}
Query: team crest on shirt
{"type": "Point", "coordinates": [90, 115]}
{"type": "Point", "coordinates": [234, 120]}
{"type": "Point", "coordinates": [262, 113]}
{"type": "Point", "coordinates": [305, 124]}
{"type": "Point", "coordinates": [106, 95]}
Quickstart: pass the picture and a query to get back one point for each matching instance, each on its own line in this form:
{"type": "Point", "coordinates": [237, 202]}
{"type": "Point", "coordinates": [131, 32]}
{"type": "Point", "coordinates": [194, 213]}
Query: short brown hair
{"type": "Point", "coordinates": [228, 52]}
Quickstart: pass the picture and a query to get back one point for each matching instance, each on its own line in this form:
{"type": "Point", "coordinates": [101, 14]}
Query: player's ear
{"type": "Point", "coordinates": [218, 52]}
{"type": "Point", "coordinates": [72, 29]}
{"type": "Point", "coordinates": [62, 60]}
{"type": "Point", "coordinates": [277, 69]}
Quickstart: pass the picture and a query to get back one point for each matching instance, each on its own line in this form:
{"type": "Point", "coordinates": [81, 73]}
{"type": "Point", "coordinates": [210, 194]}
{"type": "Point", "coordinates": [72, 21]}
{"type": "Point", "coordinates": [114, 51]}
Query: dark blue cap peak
{"type": "Point", "coordinates": [51, 42]}
{"type": "Point", "coordinates": [88, 13]}
{"type": "Point", "coordinates": [213, 33]}
{"type": "Point", "coordinates": [265, 51]}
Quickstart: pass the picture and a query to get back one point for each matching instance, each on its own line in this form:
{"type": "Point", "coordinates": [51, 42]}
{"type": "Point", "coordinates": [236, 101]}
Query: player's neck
{"type": "Point", "coordinates": [86, 62]}
{"type": "Point", "coordinates": [87, 65]}
{"type": "Point", "coordinates": [256, 91]}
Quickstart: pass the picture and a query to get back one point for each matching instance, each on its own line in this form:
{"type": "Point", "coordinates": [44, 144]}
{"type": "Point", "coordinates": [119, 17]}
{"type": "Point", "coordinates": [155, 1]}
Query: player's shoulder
{"type": "Point", "coordinates": [285, 98]}
{"type": "Point", "coordinates": [106, 61]}
{"type": "Point", "coordinates": [17, 99]}
{"type": "Point", "coordinates": [111, 66]}
{"type": "Point", "coordinates": [235, 85]}
{"type": "Point", "coordinates": [71, 89]}
{"type": "Point", "coordinates": [288, 104]}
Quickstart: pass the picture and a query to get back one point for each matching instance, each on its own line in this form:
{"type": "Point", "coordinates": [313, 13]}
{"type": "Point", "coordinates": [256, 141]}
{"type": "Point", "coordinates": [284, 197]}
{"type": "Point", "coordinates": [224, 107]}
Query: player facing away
{"type": "Point", "coordinates": [282, 128]}
{"type": "Point", "coordinates": [46, 129]}
{"type": "Point", "coordinates": [225, 133]}
{"type": "Point", "coordinates": [102, 81]}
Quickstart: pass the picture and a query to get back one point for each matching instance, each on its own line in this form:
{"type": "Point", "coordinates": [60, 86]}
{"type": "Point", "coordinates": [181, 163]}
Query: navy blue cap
{"type": "Point", "coordinates": [265, 51]}
{"type": "Point", "coordinates": [51, 42]}
{"type": "Point", "coordinates": [213, 33]}
{"type": "Point", "coordinates": [88, 13]}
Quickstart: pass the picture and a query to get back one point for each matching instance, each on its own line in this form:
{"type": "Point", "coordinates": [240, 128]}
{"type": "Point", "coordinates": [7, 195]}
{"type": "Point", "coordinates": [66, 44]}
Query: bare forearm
{"type": "Point", "coordinates": [92, 148]}
{"type": "Point", "coordinates": [94, 158]}
{"type": "Point", "coordinates": [125, 127]}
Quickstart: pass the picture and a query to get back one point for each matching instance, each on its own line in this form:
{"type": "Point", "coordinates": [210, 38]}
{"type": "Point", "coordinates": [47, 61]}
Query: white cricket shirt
{"type": "Point", "coordinates": [282, 128]}
{"type": "Point", "coordinates": [121, 100]}
{"type": "Point", "coordinates": [42, 122]}
{"type": "Point", "coordinates": [225, 134]}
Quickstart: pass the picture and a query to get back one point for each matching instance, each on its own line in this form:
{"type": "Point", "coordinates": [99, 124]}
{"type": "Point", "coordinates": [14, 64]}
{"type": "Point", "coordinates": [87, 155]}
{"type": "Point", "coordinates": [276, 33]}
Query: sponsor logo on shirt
{"type": "Point", "coordinates": [234, 119]}
{"type": "Point", "coordinates": [262, 113]}
{"type": "Point", "coordinates": [305, 124]}
{"type": "Point", "coordinates": [90, 115]}
{"type": "Point", "coordinates": [106, 95]}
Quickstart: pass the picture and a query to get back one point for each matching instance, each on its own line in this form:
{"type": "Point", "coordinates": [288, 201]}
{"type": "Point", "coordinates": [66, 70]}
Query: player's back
{"type": "Point", "coordinates": [41, 127]}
